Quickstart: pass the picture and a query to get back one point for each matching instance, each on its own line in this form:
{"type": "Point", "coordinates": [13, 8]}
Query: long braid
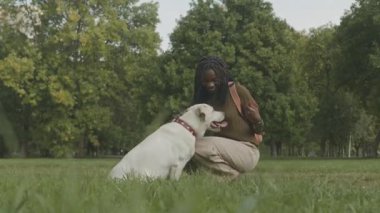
{"type": "Point", "coordinates": [221, 70]}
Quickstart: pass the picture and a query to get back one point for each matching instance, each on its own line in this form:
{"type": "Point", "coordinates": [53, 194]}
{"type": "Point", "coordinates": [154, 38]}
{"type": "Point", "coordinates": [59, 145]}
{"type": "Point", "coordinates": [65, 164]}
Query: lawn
{"type": "Point", "coordinates": [49, 185]}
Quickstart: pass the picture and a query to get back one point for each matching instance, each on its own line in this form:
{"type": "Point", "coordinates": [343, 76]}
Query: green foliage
{"type": "Point", "coordinates": [364, 130]}
{"type": "Point", "coordinates": [67, 74]}
{"type": "Point", "coordinates": [359, 37]}
{"type": "Point", "coordinates": [17, 74]}
{"type": "Point", "coordinates": [317, 60]}
{"type": "Point", "coordinates": [340, 65]}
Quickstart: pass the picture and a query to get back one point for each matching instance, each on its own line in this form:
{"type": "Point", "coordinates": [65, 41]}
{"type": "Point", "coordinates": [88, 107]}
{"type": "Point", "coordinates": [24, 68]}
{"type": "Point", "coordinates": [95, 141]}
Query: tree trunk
{"type": "Point", "coordinates": [290, 150]}
{"type": "Point", "coordinates": [301, 151]}
{"type": "Point", "coordinates": [83, 145]}
{"type": "Point", "coordinates": [323, 149]}
{"type": "Point", "coordinates": [273, 150]}
{"type": "Point", "coordinates": [3, 148]}
{"type": "Point", "coordinates": [376, 145]}
{"type": "Point", "coordinates": [279, 148]}
{"type": "Point", "coordinates": [25, 139]}
{"type": "Point", "coordinates": [349, 146]}
{"type": "Point", "coordinates": [8, 133]}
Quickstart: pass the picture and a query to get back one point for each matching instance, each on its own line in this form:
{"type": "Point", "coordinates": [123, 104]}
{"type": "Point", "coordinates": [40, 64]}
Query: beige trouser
{"type": "Point", "coordinates": [226, 156]}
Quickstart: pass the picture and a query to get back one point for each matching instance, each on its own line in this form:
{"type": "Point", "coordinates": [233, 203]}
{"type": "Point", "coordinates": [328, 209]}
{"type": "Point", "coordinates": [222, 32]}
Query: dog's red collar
{"type": "Point", "coordinates": [184, 124]}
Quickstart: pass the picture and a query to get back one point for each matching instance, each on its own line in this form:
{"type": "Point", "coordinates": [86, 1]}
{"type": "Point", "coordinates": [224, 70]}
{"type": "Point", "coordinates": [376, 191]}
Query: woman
{"type": "Point", "coordinates": [233, 150]}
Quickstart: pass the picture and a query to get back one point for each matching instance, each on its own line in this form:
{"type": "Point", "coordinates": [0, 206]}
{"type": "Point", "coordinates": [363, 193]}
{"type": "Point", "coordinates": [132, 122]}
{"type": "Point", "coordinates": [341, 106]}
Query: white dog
{"type": "Point", "coordinates": [165, 152]}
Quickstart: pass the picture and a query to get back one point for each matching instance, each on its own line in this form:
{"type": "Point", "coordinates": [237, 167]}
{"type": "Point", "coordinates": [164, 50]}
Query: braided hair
{"type": "Point", "coordinates": [221, 71]}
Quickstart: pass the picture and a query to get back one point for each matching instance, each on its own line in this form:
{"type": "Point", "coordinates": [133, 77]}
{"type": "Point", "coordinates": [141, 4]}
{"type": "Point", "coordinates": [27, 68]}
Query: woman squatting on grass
{"type": "Point", "coordinates": [233, 150]}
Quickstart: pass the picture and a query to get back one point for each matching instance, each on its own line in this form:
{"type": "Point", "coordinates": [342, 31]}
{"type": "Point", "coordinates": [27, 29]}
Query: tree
{"type": "Point", "coordinates": [18, 92]}
{"type": "Point", "coordinates": [83, 63]}
{"type": "Point", "coordinates": [359, 37]}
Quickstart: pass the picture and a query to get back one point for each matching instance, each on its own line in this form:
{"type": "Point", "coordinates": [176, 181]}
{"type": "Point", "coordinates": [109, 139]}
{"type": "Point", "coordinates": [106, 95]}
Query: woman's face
{"type": "Point", "coordinates": [209, 81]}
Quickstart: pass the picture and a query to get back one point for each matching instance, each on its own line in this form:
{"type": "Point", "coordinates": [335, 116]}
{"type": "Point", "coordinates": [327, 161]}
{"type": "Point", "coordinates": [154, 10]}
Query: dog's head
{"type": "Point", "coordinates": [206, 118]}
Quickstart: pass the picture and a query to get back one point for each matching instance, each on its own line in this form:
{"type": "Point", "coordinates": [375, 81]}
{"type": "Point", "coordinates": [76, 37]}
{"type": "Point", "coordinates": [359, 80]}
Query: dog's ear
{"type": "Point", "coordinates": [201, 114]}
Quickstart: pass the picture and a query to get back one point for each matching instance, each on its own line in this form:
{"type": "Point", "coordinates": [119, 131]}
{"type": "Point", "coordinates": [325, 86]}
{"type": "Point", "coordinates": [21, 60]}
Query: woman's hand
{"type": "Point", "coordinates": [252, 114]}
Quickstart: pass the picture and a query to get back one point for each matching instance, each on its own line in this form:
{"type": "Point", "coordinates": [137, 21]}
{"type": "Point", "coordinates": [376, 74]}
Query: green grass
{"type": "Point", "coordinates": [41, 185]}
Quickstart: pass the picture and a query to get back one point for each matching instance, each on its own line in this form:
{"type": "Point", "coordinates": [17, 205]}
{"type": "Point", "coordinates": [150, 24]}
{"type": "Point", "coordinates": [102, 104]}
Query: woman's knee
{"type": "Point", "coordinates": [205, 148]}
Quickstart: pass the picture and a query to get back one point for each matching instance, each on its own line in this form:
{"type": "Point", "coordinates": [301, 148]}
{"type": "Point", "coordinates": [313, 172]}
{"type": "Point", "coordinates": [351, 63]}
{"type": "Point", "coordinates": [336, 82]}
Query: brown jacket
{"type": "Point", "coordinates": [238, 128]}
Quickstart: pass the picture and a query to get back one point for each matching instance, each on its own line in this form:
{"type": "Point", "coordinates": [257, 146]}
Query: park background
{"type": "Point", "coordinates": [88, 78]}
